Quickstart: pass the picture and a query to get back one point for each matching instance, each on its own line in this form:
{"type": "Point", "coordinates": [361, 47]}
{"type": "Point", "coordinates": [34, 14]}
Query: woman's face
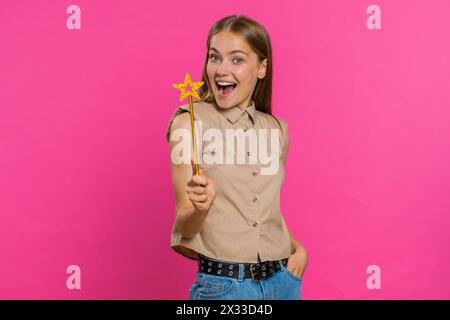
{"type": "Point", "coordinates": [233, 69]}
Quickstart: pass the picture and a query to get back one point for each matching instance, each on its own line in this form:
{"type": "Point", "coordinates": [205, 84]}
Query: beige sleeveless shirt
{"type": "Point", "coordinates": [245, 223]}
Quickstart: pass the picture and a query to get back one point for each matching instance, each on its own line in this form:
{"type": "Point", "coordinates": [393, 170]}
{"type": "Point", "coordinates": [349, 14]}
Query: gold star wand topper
{"type": "Point", "coordinates": [189, 93]}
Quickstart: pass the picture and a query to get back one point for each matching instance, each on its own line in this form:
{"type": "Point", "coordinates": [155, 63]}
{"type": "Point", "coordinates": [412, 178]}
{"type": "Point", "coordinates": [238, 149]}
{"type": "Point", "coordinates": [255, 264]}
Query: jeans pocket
{"type": "Point", "coordinates": [214, 287]}
{"type": "Point", "coordinates": [293, 276]}
{"type": "Point", "coordinates": [194, 288]}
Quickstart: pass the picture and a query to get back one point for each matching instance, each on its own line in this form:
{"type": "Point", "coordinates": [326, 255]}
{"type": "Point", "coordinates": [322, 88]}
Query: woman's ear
{"type": "Point", "coordinates": [262, 69]}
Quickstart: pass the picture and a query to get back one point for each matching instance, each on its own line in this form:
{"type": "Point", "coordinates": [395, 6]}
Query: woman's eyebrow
{"type": "Point", "coordinates": [230, 52]}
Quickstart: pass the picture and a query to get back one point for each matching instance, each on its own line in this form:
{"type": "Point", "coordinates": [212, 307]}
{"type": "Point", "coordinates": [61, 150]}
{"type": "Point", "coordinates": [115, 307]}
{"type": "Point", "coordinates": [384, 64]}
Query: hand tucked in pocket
{"type": "Point", "coordinates": [298, 262]}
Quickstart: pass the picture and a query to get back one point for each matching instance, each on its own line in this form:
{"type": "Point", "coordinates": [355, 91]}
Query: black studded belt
{"type": "Point", "coordinates": [255, 271]}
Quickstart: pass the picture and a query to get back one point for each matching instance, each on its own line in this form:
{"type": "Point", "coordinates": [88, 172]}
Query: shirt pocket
{"type": "Point", "coordinates": [272, 164]}
{"type": "Point", "coordinates": [208, 165]}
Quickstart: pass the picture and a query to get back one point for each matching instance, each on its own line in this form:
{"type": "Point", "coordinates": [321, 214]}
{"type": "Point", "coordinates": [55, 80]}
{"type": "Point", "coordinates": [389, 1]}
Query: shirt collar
{"type": "Point", "coordinates": [234, 113]}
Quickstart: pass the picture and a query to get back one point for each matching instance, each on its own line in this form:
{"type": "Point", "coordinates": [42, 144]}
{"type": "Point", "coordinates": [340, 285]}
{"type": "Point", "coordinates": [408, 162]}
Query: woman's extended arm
{"type": "Point", "coordinates": [193, 194]}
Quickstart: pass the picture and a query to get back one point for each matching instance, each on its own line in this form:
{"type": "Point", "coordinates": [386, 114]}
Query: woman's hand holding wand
{"type": "Point", "coordinates": [201, 191]}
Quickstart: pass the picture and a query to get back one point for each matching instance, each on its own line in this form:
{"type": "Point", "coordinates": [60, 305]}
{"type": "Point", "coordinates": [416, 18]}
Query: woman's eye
{"type": "Point", "coordinates": [213, 57]}
{"type": "Point", "coordinates": [238, 60]}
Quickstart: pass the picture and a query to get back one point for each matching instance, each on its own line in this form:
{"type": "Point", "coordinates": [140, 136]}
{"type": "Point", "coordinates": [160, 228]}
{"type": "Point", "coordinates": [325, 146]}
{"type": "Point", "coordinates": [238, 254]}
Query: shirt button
{"type": "Point", "coordinates": [248, 153]}
{"type": "Point", "coordinates": [255, 173]}
{"type": "Point", "coordinates": [255, 224]}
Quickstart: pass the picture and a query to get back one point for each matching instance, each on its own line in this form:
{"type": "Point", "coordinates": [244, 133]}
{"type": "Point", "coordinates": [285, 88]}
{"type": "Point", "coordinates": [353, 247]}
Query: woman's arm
{"type": "Point", "coordinates": [295, 244]}
{"type": "Point", "coordinates": [194, 194]}
{"type": "Point", "coordinates": [298, 261]}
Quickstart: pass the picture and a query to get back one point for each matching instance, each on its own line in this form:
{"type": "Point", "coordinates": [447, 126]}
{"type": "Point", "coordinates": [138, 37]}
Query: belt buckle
{"type": "Point", "coordinates": [251, 272]}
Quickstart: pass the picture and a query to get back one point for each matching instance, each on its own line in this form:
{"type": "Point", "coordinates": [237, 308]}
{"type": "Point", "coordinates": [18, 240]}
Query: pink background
{"type": "Point", "coordinates": [85, 172]}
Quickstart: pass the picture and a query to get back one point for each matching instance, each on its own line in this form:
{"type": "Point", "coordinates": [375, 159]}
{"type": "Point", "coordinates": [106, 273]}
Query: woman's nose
{"type": "Point", "coordinates": [223, 69]}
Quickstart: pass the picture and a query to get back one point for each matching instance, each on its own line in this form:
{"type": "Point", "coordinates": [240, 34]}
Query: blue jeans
{"type": "Point", "coordinates": [283, 285]}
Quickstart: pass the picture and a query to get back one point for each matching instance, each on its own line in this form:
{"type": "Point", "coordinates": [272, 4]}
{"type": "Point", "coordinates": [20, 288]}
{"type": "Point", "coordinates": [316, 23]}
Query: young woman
{"type": "Point", "coordinates": [228, 217]}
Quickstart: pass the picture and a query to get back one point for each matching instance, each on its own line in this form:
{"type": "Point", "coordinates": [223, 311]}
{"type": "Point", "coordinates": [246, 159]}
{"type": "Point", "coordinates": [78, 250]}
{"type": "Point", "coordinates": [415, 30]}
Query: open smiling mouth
{"type": "Point", "coordinates": [225, 88]}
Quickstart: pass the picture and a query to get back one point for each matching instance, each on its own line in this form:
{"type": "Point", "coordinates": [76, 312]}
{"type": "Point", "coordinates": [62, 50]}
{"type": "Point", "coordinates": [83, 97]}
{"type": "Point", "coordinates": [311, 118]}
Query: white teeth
{"type": "Point", "coordinates": [222, 83]}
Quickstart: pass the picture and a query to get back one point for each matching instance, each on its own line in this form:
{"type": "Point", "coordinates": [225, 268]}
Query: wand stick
{"type": "Point", "coordinates": [194, 140]}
